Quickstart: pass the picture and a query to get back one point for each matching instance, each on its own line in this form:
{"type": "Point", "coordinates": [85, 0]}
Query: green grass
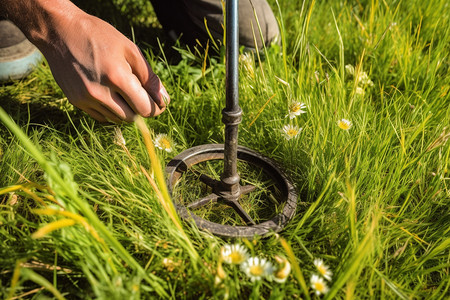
{"type": "Point", "coordinates": [374, 201]}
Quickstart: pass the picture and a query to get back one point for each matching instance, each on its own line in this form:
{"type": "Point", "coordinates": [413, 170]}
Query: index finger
{"type": "Point", "coordinates": [149, 80]}
{"type": "Point", "coordinates": [131, 90]}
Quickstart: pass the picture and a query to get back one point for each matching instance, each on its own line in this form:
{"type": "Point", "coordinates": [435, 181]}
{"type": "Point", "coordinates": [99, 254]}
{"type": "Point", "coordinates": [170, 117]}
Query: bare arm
{"type": "Point", "coordinates": [99, 69]}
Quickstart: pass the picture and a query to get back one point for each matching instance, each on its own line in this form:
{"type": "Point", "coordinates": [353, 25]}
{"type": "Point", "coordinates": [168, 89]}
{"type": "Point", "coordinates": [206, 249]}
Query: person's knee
{"type": "Point", "coordinates": [188, 18]}
{"type": "Point", "coordinates": [257, 24]}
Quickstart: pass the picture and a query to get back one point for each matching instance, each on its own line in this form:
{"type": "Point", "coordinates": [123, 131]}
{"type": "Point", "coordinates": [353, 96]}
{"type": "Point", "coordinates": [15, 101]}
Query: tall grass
{"type": "Point", "coordinates": [373, 200]}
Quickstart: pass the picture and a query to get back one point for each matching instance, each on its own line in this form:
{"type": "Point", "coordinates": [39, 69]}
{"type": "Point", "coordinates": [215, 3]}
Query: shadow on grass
{"type": "Point", "coordinates": [38, 112]}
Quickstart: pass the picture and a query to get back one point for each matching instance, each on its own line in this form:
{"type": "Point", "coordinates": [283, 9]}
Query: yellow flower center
{"type": "Point", "coordinates": [236, 257]}
{"type": "Point", "coordinates": [291, 132]}
{"type": "Point", "coordinates": [281, 274]}
{"type": "Point", "coordinates": [344, 125]}
{"type": "Point", "coordinates": [165, 143]}
{"type": "Point", "coordinates": [295, 107]}
{"type": "Point", "coordinates": [322, 270]}
{"type": "Point", "coordinates": [319, 286]}
{"type": "Point", "coordinates": [256, 270]}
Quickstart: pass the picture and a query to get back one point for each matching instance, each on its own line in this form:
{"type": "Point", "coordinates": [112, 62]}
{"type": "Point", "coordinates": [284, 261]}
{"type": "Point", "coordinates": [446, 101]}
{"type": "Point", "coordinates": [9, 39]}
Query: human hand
{"type": "Point", "coordinates": [100, 70]}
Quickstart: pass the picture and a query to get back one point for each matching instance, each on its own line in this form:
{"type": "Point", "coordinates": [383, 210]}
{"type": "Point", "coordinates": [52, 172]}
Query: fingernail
{"type": "Point", "coordinates": [164, 94]}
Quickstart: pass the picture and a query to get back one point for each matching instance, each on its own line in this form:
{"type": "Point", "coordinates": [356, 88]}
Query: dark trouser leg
{"type": "Point", "coordinates": [177, 22]}
{"type": "Point", "coordinates": [187, 17]}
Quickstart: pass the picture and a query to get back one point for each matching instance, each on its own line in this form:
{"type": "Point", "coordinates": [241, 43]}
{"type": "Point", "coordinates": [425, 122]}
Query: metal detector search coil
{"type": "Point", "coordinates": [228, 190]}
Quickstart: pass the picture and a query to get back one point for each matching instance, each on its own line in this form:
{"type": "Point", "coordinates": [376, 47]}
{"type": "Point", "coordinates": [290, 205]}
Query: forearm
{"type": "Point", "coordinates": [99, 70]}
{"type": "Point", "coordinates": [37, 18]}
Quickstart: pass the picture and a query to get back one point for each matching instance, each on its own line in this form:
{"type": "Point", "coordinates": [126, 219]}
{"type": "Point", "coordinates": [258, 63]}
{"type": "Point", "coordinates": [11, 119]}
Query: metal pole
{"type": "Point", "coordinates": [232, 114]}
{"type": "Point", "coordinates": [232, 55]}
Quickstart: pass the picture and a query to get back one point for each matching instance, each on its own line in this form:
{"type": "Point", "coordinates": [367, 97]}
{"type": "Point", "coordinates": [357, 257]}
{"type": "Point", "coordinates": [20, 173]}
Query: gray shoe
{"type": "Point", "coordinates": [18, 57]}
{"type": "Point", "coordinates": [186, 18]}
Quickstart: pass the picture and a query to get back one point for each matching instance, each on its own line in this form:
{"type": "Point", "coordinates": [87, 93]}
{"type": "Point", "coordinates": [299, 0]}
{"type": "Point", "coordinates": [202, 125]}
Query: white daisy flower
{"type": "Point", "coordinates": [163, 142]}
{"type": "Point", "coordinates": [234, 254]}
{"type": "Point", "coordinates": [364, 79]}
{"type": "Point", "coordinates": [344, 124]}
{"type": "Point", "coordinates": [361, 77]}
{"type": "Point", "coordinates": [256, 268]}
{"type": "Point", "coordinates": [360, 91]}
{"type": "Point", "coordinates": [319, 285]}
{"type": "Point", "coordinates": [296, 108]}
{"type": "Point", "coordinates": [282, 273]}
{"type": "Point", "coordinates": [323, 269]}
{"type": "Point", "coordinates": [291, 131]}
{"type": "Point", "coordinates": [350, 69]}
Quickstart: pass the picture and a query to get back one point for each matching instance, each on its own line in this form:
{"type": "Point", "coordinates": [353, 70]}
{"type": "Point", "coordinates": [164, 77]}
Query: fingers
{"type": "Point", "coordinates": [102, 115]}
{"type": "Point", "coordinates": [127, 87]}
{"type": "Point", "coordinates": [104, 104]}
{"type": "Point", "coordinates": [156, 90]}
{"type": "Point", "coordinates": [130, 89]}
{"type": "Point", "coordinates": [120, 100]}
{"type": "Point", "coordinates": [120, 107]}
{"type": "Point", "coordinates": [95, 114]}
{"type": "Point", "coordinates": [148, 79]}
{"type": "Point", "coordinates": [134, 89]}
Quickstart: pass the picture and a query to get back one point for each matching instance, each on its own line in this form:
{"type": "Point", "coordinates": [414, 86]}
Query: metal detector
{"type": "Point", "coordinates": [228, 190]}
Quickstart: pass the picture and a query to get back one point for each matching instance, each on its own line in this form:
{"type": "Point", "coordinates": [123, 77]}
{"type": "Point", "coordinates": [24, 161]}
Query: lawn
{"type": "Point", "coordinates": [84, 211]}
